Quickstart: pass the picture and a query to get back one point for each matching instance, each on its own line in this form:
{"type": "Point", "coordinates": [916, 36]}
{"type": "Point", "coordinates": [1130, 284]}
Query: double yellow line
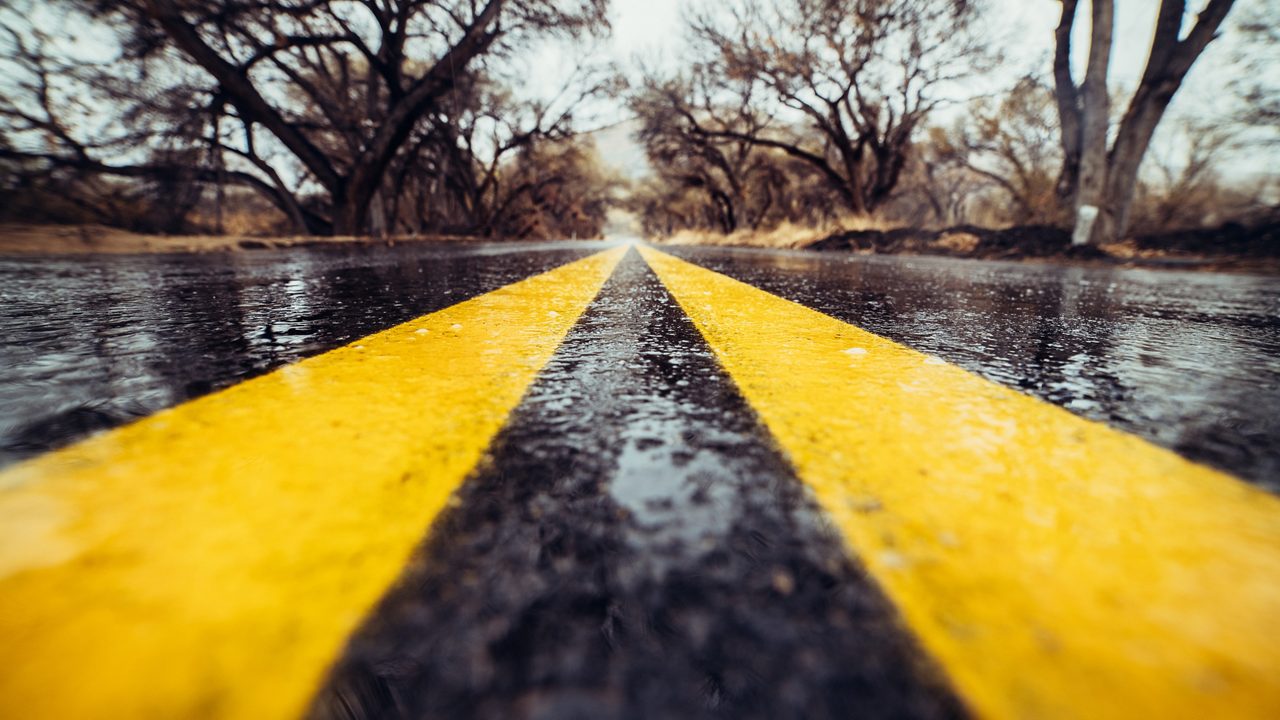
{"type": "Point", "coordinates": [211, 560]}
{"type": "Point", "coordinates": [1054, 567]}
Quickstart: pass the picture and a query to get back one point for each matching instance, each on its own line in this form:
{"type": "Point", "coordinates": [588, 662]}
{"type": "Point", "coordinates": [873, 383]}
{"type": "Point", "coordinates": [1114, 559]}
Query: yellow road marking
{"type": "Point", "coordinates": [1053, 566]}
{"type": "Point", "coordinates": [211, 560]}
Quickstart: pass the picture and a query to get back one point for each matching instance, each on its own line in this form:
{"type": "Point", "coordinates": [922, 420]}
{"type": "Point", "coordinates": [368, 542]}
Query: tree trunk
{"type": "Point", "coordinates": [219, 200]}
{"type": "Point", "coordinates": [350, 214]}
{"type": "Point", "coordinates": [1092, 187]}
{"type": "Point", "coordinates": [1167, 66]}
{"type": "Point", "coordinates": [220, 167]}
{"type": "Point", "coordinates": [350, 195]}
{"type": "Point", "coordinates": [1068, 99]}
{"type": "Point", "coordinates": [1126, 158]}
{"type": "Point", "coordinates": [1093, 176]}
{"type": "Point", "coordinates": [728, 218]}
{"type": "Point", "coordinates": [377, 216]}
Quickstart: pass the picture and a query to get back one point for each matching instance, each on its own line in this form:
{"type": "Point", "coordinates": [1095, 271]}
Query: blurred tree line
{"type": "Point", "coordinates": [807, 111]}
{"type": "Point", "coordinates": [329, 116]}
{"type": "Point", "coordinates": [445, 116]}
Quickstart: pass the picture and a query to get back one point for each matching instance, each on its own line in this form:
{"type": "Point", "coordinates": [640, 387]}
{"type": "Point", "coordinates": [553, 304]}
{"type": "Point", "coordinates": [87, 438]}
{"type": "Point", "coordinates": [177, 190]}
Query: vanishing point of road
{"type": "Point", "coordinates": [602, 480]}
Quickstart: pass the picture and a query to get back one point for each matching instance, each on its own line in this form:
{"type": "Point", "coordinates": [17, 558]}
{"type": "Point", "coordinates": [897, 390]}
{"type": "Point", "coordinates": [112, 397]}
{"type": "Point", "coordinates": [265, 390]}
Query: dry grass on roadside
{"type": "Point", "coordinates": [786, 235]}
{"type": "Point", "coordinates": [30, 239]}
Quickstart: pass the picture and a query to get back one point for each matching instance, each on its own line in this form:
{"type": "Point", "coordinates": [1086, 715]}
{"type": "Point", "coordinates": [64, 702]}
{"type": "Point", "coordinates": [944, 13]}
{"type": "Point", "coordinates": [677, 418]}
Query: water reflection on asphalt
{"type": "Point", "coordinates": [633, 547]}
{"type": "Point", "coordinates": [88, 343]}
{"type": "Point", "coordinates": [1188, 360]}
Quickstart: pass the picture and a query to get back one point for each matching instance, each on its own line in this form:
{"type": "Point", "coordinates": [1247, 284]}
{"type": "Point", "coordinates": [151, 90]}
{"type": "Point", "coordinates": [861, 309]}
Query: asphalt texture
{"type": "Point", "coordinates": [90, 343]}
{"type": "Point", "coordinates": [633, 547]}
{"type": "Point", "coordinates": [1190, 361]}
{"type": "Point", "coordinates": [1187, 360]}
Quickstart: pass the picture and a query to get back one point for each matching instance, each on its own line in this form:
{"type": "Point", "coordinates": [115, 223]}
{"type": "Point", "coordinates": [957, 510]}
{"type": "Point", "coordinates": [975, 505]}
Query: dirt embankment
{"type": "Point", "coordinates": [962, 241]}
{"type": "Point", "coordinates": [1230, 247]}
{"type": "Point", "coordinates": [83, 239]}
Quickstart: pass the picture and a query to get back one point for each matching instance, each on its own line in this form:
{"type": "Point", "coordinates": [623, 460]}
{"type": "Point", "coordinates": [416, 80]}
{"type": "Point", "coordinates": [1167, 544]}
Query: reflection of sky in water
{"type": "Point", "coordinates": [89, 343]}
{"type": "Point", "coordinates": [279, 311]}
{"type": "Point", "coordinates": [637, 399]}
{"type": "Point", "coordinates": [1189, 360]}
{"type": "Point", "coordinates": [632, 541]}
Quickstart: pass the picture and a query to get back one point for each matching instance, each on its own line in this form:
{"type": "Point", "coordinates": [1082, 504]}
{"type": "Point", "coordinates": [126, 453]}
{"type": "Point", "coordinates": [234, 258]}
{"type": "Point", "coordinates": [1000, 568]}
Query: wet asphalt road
{"type": "Point", "coordinates": [91, 343]}
{"type": "Point", "coordinates": [1190, 361]}
{"type": "Point", "coordinates": [633, 546]}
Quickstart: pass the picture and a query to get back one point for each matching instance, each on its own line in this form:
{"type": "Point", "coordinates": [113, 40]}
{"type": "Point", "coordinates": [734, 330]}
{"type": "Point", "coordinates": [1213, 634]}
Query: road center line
{"type": "Point", "coordinates": [211, 560]}
{"type": "Point", "coordinates": [633, 547]}
{"type": "Point", "coordinates": [1054, 567]}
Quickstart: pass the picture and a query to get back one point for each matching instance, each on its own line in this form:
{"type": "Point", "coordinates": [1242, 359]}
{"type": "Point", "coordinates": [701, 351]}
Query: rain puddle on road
{"type": "Point", "coordinates": [633, 548]}
{"type": "Point", "coordinates": [89, 343]}
{"type": "Point", "coordinates": [1190, 361]}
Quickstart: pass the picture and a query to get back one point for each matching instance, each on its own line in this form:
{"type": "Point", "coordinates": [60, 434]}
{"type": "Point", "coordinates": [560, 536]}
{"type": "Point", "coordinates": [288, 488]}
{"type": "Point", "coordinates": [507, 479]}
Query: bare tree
{"type": "Point", "coordinates": [555, 189]}
{"type": "Point", "coordinates": [859, 76]}
{"type": "Point", "coordinates": [477, 149]}
{"type": "Point", "coordinates": [1010, 144]}
{"type": "Point", "coordinates": [1258, 56]}
{"type": "Point", "coordinates": [710, 173]}
{"type": "Point", "coordinates": [1181, 187]}
{"type": "Point", "coordinates": [59, 132]}
{"type": "Point", "coordinates": [319, 97]}
{"type": "Point", "coordinates": [712, 155]}
{"type": "Point", "coordinates": [938, 181]}
{"type": "Point", "coordinates": [1101, 178]}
